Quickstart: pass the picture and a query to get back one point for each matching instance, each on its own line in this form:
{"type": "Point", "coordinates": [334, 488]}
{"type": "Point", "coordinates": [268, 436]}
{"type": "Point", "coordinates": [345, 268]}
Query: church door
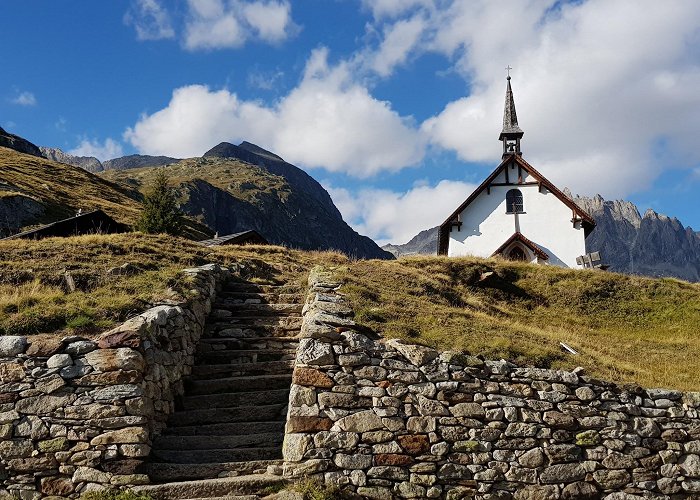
{"type": "Point", "coordinates": [516, 253]}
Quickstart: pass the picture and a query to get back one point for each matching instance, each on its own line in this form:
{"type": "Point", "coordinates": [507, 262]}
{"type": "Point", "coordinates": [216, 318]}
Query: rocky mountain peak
{"type": "Point", "coordinates": [89, 163]}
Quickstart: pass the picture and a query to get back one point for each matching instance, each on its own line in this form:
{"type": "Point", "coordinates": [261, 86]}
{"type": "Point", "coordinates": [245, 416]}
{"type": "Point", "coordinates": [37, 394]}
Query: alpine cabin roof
{"type": "Point", "coordinates": [587, 221]}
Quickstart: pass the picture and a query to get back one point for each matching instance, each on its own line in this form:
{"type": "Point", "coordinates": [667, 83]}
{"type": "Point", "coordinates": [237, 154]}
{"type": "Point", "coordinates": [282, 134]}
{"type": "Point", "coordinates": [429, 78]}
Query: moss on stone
{"type": "Point", "coordinates": [53, 445]}
{"type": "Point", "coordinates": [587, 438]}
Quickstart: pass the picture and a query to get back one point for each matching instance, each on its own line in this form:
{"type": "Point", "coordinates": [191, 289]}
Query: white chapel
{"type": "Point", "coordinates": [516, 212]}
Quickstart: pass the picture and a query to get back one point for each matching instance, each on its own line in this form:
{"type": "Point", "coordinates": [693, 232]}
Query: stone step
{"type": "Point", "coordinates": [218, 455]}
{"type": "Point", "coordinates": [174, 442]}
{"type": "Point", "coordinates": [224, 310]}
{"type": "Point", "coordinates": [227, 429]}
{"type": "Point", "coordinates": [233, 399]}
{"type": "Point", "coordinates": [288, 322]}
{"type": "Point", "coordinates": [165, 472]}
{"type": "Point", "coordinates": [258, 288]}
{"type": "Point", "coordinates": [208, 372]}
{"type": "Point", "coordinates": [261, 413]}
{"type": "Point", "coordinates": [238, 384]}
{"type": "Point", "coordinates": [210, 488]}
{"type": "Point", "coordinates": [214, 344]}
{"type": "Point", "coordinates": [238, 356]}
{"type": "Point", "coordinates": [259, 298]}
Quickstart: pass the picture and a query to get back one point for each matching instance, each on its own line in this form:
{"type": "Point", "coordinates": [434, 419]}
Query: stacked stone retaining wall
{"type": "Point", "coordinates": [386, 419]}
{"type": "Point", "coordinates": [78, 415]}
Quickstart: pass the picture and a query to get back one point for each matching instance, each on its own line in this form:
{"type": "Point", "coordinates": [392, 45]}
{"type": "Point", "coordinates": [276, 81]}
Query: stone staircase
{"type": "Point", "coordinates": [225, 437]}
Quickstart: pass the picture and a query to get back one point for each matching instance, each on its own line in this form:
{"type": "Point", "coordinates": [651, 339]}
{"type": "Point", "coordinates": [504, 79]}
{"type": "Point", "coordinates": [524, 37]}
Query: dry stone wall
{"type": "Point", "coordinates": [78, 415]}
{"type": "Point", "coordinates": [386, 420]}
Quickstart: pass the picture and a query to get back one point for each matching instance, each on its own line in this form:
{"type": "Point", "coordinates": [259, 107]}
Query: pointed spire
{"type": "Point", "coordinates": [510, 118]}
{"type": "Point", "coordinates": [511, 133]}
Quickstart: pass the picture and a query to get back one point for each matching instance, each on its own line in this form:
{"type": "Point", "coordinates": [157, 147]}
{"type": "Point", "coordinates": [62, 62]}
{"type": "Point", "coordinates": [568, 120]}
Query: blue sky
{"type": "Point", "coordinates": [394, 105]}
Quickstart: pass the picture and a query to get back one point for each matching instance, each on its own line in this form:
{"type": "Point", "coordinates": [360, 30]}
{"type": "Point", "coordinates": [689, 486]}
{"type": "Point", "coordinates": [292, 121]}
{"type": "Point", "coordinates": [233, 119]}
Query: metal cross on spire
{"type": "Point", "coordinates": [508, 68]}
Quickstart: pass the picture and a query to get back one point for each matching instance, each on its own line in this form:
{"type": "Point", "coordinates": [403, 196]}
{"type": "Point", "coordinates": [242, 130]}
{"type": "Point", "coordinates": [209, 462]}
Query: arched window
{"type": "Point", "coordinates": [514, 202]}
{"type": "Point", "coordinates": [516, 253]}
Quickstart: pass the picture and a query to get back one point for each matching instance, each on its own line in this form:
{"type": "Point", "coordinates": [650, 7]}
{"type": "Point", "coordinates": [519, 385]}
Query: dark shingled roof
{"type": "Point", "coordinates": [246, 237]}
{"type": "Point", "coordinates": [95, 222]}
{"type": "Point", "coordinates": [510, 118]}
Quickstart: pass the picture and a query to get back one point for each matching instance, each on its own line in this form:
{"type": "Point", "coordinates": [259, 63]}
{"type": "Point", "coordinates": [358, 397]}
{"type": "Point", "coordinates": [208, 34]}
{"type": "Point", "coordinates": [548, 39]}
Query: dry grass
{"type": "Point", "coordinates": [64, 189]}
{"type": "Point", "coordinates": [625, 328]}
{"type": "Point", "coordinates": [35, 299]}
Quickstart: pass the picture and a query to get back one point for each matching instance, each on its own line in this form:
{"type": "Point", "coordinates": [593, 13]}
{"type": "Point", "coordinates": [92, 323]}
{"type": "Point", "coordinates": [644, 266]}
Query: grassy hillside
{"type": "Point", "coordinates": [34, 297]}
{"type": "Point", "coordinates": [62, 189]}
{"type": "Point", "coordinates": [244, 181]}
{"type": "Point", "coordinates": [627, 329]}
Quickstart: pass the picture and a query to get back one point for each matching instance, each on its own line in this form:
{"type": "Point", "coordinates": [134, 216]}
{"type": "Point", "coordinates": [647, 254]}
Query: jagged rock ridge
{"type": "Point", "coordinates": [92, 164]}
{"type": "Point", "coordinates": [137, 161]}
{"type": "Point", "coordinates": [650, 245]}
{"type": "Point", "coordinates": [89, 163]}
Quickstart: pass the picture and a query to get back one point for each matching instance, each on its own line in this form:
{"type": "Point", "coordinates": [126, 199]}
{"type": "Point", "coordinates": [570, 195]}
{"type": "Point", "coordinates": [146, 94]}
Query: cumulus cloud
{"type": "Point", "coordinates": [329, 120]}
{"type": "Point", "coordinates": [395, 217]}
{"type": "Point", "coordinates": [105, 151]}
{"type": "Point", "coordinates": [25, 99]}
{"type": "Point", "coordinates": [216, 24]}
{"type": "Point", "coordinates": [606, 94]}
{"type": "Point", "coordinates": [150, 20]}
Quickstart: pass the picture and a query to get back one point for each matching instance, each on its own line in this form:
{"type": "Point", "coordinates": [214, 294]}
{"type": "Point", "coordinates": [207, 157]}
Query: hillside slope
{"type": "Point", "coordinates": [625, 328]}
{"type": "Point", "coordinates": [230, 195]}
{"type": "Point", "coordinates": [34, 190]}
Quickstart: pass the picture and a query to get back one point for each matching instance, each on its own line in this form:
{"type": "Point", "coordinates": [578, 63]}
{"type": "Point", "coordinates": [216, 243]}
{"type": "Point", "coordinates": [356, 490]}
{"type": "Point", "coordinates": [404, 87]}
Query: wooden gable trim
{"type": "Point", "coordinates": [518, 236]}
{"type": "Point", "coordinates": [587, 221]}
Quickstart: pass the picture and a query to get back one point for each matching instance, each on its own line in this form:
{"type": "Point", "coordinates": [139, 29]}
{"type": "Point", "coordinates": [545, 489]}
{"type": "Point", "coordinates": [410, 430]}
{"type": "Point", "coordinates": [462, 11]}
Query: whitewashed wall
{"type": "Point", "coordinates": [546, 222]}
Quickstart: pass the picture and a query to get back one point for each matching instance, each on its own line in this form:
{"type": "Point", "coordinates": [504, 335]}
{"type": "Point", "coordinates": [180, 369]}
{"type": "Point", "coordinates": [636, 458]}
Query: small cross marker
{"type": "Point", "coordinates": [508, 68]}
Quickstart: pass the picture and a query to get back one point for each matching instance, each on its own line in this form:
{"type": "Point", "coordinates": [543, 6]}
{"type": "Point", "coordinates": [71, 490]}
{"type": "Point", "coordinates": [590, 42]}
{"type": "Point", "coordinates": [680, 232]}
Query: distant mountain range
{"type": "Point", "coordinates": [650, 245]}
{"type": "Point", "coordinates": [92, 164]}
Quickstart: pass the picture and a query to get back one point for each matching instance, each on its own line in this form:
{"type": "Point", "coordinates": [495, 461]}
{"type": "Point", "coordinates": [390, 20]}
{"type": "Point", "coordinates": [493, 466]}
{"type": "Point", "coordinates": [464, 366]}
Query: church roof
{"type": "Point", "coordinates": [586, 219]}
{"type": "Point", "coordinates": [518, 236]}
{"type": "Point", "coordinates": [510, 118]}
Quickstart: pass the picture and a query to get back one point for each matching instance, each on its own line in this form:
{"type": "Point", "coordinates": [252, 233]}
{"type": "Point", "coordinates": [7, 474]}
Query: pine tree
{"type": "Point", "coordinates": [160, 212]}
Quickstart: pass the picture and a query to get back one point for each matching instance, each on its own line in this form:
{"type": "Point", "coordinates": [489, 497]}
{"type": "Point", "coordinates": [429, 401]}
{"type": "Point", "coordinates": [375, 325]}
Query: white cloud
{"type": "Point", "coordinates": [150, 20]}
{"type": "Point", "coordinates": [393, 8]}
{"type": "Point", "coordinates": [91, 147]}
{"type": "Point", "coordinates": [399, 40]}
{"type": "Point", "coordinates": [271, 21]}
{"type": "Point", "coordinates": [328, 121]}
{"type": "Point", "coordinates": [598, 86]}
{"type": "Point", "coordinates": [606, 93]}
{"type": "Point", "coordinates": [390, 217]}
{"type": "Point", "coordinates": [25, 99]}
{"type": "Point", "coordinates": [216, 24]}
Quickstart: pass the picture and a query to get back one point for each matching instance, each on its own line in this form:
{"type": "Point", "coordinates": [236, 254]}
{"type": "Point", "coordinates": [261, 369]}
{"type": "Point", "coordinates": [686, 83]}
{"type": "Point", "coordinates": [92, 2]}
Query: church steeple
{"type": "Point", "coordinates": [511, 133]}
